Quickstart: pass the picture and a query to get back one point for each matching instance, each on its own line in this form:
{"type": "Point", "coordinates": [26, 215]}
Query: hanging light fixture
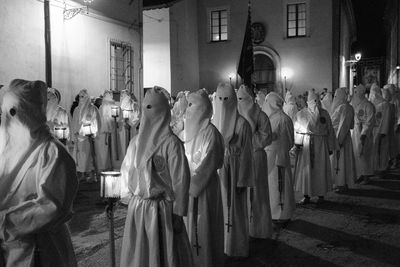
{"type": "Point", "coordinates": [69, 13]}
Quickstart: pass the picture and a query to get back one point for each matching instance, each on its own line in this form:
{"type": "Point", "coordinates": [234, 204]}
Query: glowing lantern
{"type": "Point", "coordinates": [110, 184]}
{"type": "Point", "coordinates": [87, 129]}
{"type": "Point", "coordinates": [114, 111]}
{"type": "Point", "coordinates": [60, 132]}
{"type": "Point", "coordinates": [126, 113]}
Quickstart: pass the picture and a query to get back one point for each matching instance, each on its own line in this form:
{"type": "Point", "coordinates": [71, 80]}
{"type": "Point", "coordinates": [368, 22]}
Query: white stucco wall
{"type": "Point", "coordinates": [184, 46]}
{"type": "Point", "coordinates": [80, 47]}
{"type": "Point", "coordinates": [156, 48]}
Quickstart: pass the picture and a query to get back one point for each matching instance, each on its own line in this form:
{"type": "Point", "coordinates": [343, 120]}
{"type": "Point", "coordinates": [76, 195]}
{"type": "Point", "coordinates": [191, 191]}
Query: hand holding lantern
{"type": "Point", "coordinates": [115, 112]}
{"type": "Point", "coordinates": [60, 133]}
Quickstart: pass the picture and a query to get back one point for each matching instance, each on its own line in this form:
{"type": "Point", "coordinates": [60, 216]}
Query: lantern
{"type": "Point", "coordinates": [126, 113]}
{"type": "Point", "coordinates": [60, 132]}
{"type": "Point", "coordinates": [110, 184]}
{"type": "Point", "coordinates": [87, 129]}
{"type": "Point", "coordinates": [110, 189]}
{"type": "Point", "coordinates": [114, 111]}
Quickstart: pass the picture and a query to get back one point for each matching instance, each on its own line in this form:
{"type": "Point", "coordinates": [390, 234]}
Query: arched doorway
{"type": "Point", "coordinates": [264, 75]}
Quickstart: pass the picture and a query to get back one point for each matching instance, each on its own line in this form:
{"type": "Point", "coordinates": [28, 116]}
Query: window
{"type": "Point", "coordinates": [121, 67]}
{"type": "Point", "coordinates": [219, 25]}
{"type": "Point", "coordinates": [296, 20]}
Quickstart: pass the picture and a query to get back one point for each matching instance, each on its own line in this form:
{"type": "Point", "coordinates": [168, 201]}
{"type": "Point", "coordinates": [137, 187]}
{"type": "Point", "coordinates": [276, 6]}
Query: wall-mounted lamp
{"type": "Point", "coordinates": [69, 13]}
{"type": "Point", "coordinates": [357, 56]}
{"type": "Point", "coordinates": [287, 73]}
{"type": "Point", "coordinates": [355, 59]}
{"type": "Point", "coordinates": [231, 76]}
{"type": "Point", "coordinates": [398, 67]}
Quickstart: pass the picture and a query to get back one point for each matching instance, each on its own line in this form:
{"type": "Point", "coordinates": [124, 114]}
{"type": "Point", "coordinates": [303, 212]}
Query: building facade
{"type": "Point", "coordinates": [301, 44]}
{"type": "Point", "coordinates": [97, 49]}
{"type": "Point", "coordinates": [392, 24]}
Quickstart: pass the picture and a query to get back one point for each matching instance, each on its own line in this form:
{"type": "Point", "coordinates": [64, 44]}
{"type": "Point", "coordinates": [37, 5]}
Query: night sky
{"type": "Point", "coordinates": [370, 27]}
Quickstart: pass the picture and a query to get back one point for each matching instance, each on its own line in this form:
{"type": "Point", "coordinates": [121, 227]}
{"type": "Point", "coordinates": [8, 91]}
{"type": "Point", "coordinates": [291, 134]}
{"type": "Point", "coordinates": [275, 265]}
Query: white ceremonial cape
{"type": "Point", "coordinates": [364, 121]}
{"type": "Point", "coordinates": [282, 204]}
{"type": "Point", "coordinates": [128, 126]}
{"type": "Point", "coordinates": [158, 189]}
{"type": "Point", "coordinates": [343, 170]}
{"type": "Point", "coordinates": [35, 203]}
{"type": "Point", "coordinates": [290, 106]}
{"type": "Point", "coordinates": [105, 142]}
{"type": "Point", "coordinates": [380, 149]}
{"type": "Point", "coordinates": [208, 155]}
{"type": "Point", "coordinates": [260, 221]}
{"type": "Point", "coordinates": [237, 173]}
{"type": "Point", "coordinates": [326, 102]}
{"type": "Point", "coordinates": [313, 175]}
{"type": "Point", "coordinates": [82, 153]}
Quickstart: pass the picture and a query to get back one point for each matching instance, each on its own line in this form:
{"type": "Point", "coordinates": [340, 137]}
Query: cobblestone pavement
{"type": "Point", "coordinates": [360, 227]}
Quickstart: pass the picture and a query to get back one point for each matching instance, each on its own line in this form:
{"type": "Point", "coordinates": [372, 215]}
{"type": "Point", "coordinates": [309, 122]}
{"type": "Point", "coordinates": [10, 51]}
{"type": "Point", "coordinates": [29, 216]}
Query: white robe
{"type": "Point", "coordinates": [291, 110]}
{"type": "Point", "coordinates": [326, 102]}
{"type": "Point", "coordinates": [364, 121]}
{"type": "Point", "coordinates": [396, 103]}
{"type": "Point", "coordinates": [260, 221]}
{"type": "Point", "coordinates": [104, 144]}
{"type": "Point", "coordinates": [380, 149]}
{"type": "Point", "coordinates": [208, 155]}
{"type": "Point", "coordinates": [344, 170]}
{"type": "Point", "coordinates": [282, 205]}
{"type": "Point", "coordinates": [157, 191]}
{"type": "Point", "coordinates": [313, 170]}
{"type": "Point", "coordinates": [236, 173]}
{"type": "Point", "coordinates": [82, 149]}
{"type": "Point", "coordinates": [35, 203]}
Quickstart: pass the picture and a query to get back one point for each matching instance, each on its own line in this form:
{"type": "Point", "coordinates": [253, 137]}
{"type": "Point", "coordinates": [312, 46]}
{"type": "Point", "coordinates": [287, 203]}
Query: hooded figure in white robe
{"type": "Point", "coordinates": [343, 161]}
{"type": "Point", "coordinates": [156, 173]}
{"type": "Point", "coordinates": [128, 126]}
{"type": "Point", "coordinates": [315, 137]}
{"type": "Point", "coordinates": [104, 141]}
{"type": "Point", "coordinates": [236, 173]}
{"type": "Point", "coordinates": [177, 113]}
{"type": "Point", "coordinates": [395, 93]}
{"type": "Point", "coordinates": [38, 182]}
{"type": "Point", "coordinates": [388, 96]}
{"type": "Point", "coordinates": [84, 114]}
{"type": "Point", "coordinates": [380, 150]}
{"type": "Point", "coordinates": [204, 148]}
{"type": "Point", "coordinates": [362, 138]}
{"type": "Point", "coordinates": [326, 101]}
{"type": "Point", "coordinates": [57, 117]}
{"type": "Point", "coordinates": [260, 221]}
{"type": "Point", "coordinates": [281, 193]}
{"type": "Point", "coordinates": [290, 106]}
{"type": "Point", "coordinates": [260, 98]}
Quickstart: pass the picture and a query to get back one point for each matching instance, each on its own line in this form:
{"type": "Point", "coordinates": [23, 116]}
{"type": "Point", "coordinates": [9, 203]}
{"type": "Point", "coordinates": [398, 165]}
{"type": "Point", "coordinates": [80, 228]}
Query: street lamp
{"type": "Point", "coordinates": [110, 190]}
